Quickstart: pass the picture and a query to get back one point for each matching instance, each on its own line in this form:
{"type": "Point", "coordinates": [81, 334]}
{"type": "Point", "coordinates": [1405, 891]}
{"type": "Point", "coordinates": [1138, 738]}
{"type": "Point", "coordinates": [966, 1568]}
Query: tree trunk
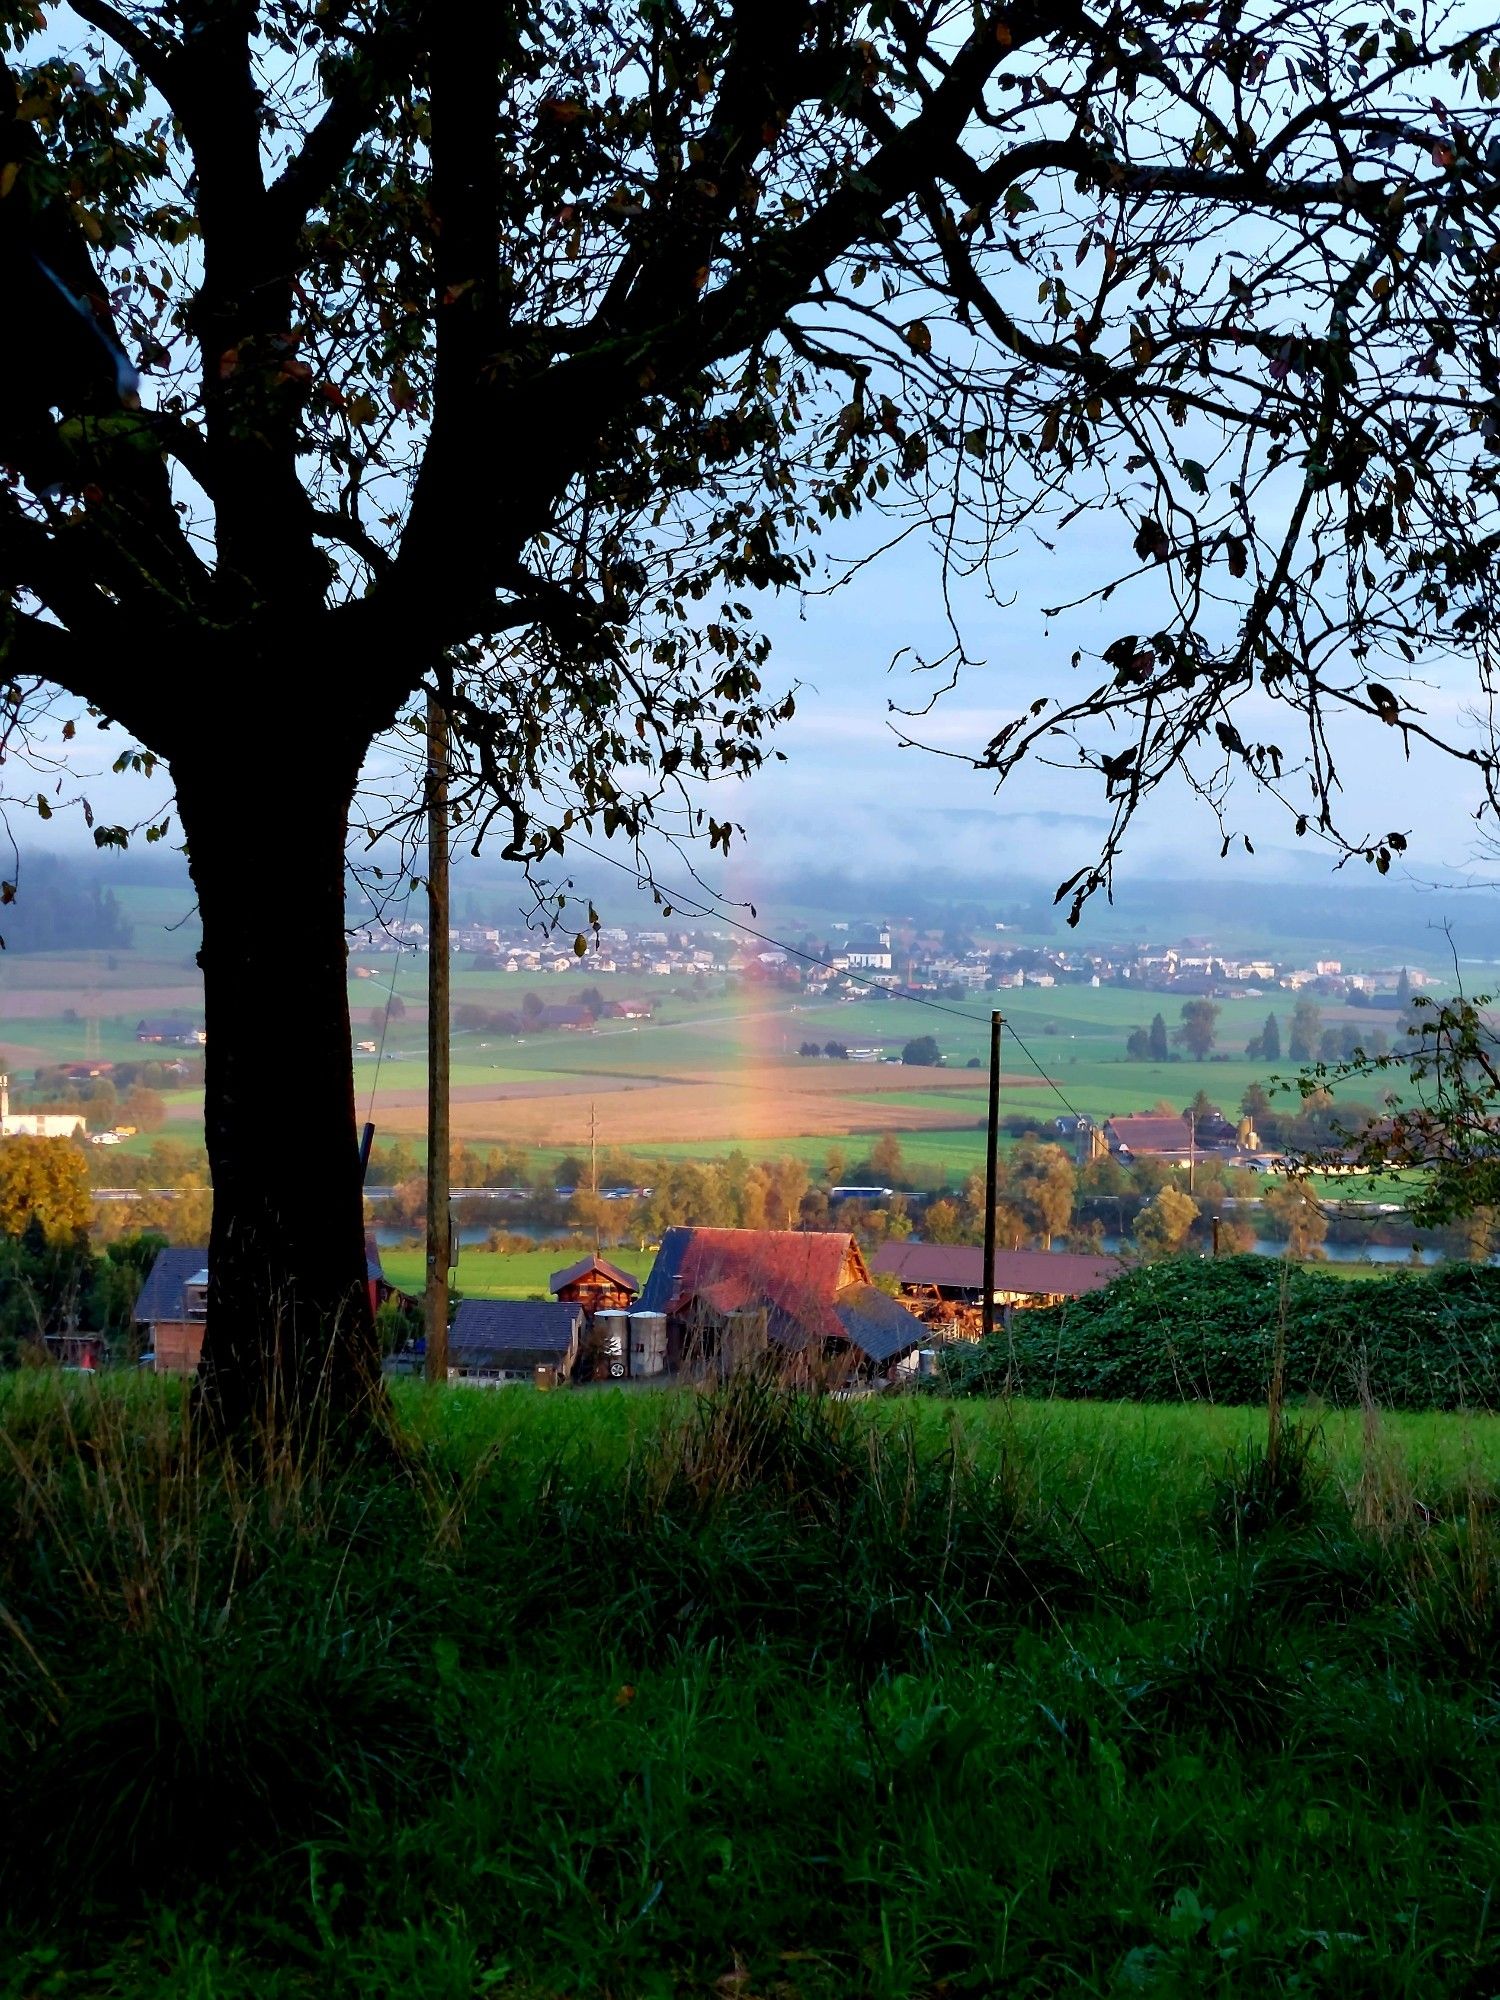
{"type": "Point", "coordinates": [290, 1349]}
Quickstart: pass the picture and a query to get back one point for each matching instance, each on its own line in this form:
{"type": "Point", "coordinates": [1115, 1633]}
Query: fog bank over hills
{"type": "Point", "coordinates": [918, 865]}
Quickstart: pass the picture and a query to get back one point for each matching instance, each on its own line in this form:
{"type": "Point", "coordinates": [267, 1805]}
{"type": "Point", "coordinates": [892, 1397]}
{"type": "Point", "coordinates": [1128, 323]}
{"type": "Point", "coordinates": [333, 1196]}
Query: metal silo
{"type": "Point", "coordinates": [648, 1343]}
{"type": "Point", "coordinates": [612, 1346]}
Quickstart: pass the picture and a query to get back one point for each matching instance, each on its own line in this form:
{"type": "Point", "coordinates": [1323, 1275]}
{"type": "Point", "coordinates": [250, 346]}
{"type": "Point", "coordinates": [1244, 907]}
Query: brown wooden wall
{"type": "Point", "coordinates": [596, 1294]}
{"type": "Point", "coordinates": [178, 1345]}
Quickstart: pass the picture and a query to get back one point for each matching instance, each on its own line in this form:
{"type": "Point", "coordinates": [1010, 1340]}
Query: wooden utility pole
{"type": "Point", "coordinates": [439, 1230]}
{"type": "Point", "coordinates": [991, 1176]}
{"type": "Point", "coordinates": [594, 1170]}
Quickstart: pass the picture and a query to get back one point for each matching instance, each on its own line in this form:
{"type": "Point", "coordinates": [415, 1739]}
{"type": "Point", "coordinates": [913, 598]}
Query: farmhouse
{"type": "Point", "coordinates": [171, 1310]}
{"type": "Point", "coordinates": [594, 1285]}
{"type": "Point", "coordinates": [496, 1341]}
{"type": "Point", "coordinates": [172, 1031]}
{"type": "Point", "coordinates": [1143, 1136]}
{"type": "Point", "coordinates": [1146, 1136]}
{"type": "Point", "coordinates": [574, 1020]}
{"type": "Point", "coordinates": [938, 1276]}
{"type": "Point", "coordinates": [806, 1293]}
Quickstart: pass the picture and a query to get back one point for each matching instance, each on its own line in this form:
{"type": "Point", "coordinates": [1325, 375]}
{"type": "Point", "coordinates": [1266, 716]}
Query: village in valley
{"type": "Point", "coordinates": [827, 1231]}
{"type": "Point", "coordinates": [851, 959]}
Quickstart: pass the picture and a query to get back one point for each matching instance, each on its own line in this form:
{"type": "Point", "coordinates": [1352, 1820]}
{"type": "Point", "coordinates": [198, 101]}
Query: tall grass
{"type": "Point", "coordinates": [747, 1693]}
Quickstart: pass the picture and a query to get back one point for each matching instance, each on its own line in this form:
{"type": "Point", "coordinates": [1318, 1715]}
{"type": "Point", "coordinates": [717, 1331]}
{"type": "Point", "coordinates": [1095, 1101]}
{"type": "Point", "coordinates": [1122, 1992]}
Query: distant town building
{"type": "Point", "coordinates": [171, 1032]}
{"type": "Point", "coordinates": [869, 950]}
{"type": "Point", "coordinates": [35, 1124]}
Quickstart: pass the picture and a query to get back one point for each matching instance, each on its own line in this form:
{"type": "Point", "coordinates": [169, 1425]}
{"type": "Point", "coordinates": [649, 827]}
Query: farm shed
{"type": "Point", "coordinates": [77, 1350]}
{"type": "Point", "coordinates": [594, 1284]}
{"type": "Point", "coordinates": [952, 1274]}
{"type": "Point", "coordinates": [171, 1309]}
{"type": "Point", "coordinates": [507, 1340]}
{"type": "Point", "coordinates": [812, 1286]}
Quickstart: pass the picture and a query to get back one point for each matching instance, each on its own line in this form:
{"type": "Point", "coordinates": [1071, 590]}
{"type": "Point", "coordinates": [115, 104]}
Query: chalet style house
{"type": "Point", "coordinates": [594, 1285]}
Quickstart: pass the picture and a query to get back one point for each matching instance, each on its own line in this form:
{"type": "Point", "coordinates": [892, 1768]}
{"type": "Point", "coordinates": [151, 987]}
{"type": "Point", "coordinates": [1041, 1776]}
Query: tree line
{"type": "Point", "coordinates": [1307, 1039]}
{"type": "Point", "coordinates": [60, 911]}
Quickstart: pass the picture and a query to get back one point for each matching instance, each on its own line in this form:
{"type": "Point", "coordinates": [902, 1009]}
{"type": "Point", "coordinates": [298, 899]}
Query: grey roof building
{"type": "Point", "coordinates": [497, 1336]}
{"type": "Point", "coordinates": [878, 1325]}
{"type": "Point", "coordinates": [161, 1298]}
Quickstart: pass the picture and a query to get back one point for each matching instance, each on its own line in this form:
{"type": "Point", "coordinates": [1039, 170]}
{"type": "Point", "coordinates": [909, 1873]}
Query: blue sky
{"type": "Point", "coordinates": [850, 797]}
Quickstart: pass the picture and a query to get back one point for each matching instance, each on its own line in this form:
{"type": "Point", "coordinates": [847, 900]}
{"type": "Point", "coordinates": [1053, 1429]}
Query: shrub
{"type": "Point", "coordinates": [1202, 1331]}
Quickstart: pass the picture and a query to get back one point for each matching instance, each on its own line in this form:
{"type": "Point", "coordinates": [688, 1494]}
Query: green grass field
{"type": "Point", "coordinates": [502, 1274]}
{"type": "Point", "coordinates": [667, 1695]}
{"type": "Point", "coordinates": [1074, 1035]}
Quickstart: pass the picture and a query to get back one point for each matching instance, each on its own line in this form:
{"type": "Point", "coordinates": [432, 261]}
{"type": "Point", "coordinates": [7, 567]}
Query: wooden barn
{"type": "Point", "coordinates": [944, 1282]}
{"type": "Point", "coordinates": [804, 1294]}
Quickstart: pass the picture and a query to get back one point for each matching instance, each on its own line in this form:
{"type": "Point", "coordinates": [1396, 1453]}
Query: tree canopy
{"type": "Point", "coordinates": [1196, 1034]}
{"type": "Point", "coordinates": [357, 347]}
{"type": "Point", "coordinates": [1441, 1113]}
{"type": "Point", "coordinates": [43, 1181]}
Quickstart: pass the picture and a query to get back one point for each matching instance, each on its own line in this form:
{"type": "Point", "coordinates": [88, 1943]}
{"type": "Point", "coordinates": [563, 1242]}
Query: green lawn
{"type": "Point", "coordinates": [502, 1274]}
{"type": "Point", "coordinates": [659, 1695]}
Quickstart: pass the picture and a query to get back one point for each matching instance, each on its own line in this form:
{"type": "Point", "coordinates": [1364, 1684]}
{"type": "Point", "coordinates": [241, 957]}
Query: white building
{"type": "Point", "coordinates": [869, 949]}
{"type": "Point", "coordinates": [35, 1124]}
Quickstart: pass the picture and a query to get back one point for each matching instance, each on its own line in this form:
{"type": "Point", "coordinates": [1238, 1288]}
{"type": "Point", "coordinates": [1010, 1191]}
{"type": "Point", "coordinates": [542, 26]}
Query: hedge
{"type": "Point", "coordinates": [1196, 1330]}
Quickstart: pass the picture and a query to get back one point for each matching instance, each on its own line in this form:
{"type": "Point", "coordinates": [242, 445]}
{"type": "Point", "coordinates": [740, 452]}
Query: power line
{"type": "Point", "coordinates": [385, 1025]}
{"type": "Point", "coordinates": [700, 909]}
{"type": "Point", "coordinates": [1050, 1081]}
{"type": "Point", "coordinates": [695, 907]}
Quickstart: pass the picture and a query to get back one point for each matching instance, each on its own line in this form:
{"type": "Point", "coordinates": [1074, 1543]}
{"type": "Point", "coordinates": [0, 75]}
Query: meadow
{"type": "Point", "coordinates": [716, 1072]}
{"type": "Point", "coordinates": [711, 1071]}
{"type": "Point", "coordinates": [750, 1695]}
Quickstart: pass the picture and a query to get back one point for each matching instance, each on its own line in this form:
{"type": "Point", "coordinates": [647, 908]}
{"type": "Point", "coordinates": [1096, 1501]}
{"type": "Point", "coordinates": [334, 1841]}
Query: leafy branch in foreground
{"type": "Point", "coordinates": [1442, 1114]}
{"type": "Point", "coordinates": [366, 345]}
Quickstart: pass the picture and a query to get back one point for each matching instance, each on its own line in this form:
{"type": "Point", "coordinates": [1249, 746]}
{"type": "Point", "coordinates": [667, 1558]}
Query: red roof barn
{"type": "Point", "coordinates": [812, 1286]}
